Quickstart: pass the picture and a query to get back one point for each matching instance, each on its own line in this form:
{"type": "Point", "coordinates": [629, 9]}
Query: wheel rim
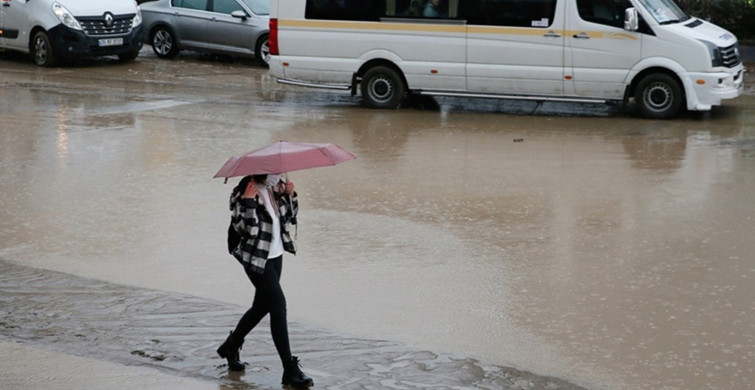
{"type": "Point", "coordinates": [265, 52]}
{"type": "Point", "coordinates": [40, 50]}
{"type": "Point", "coordinates": [381, 89]}
{"type": "Point", "coordinates": [658, 97]}
{"type": "Point", "coordinates": [162, 42]}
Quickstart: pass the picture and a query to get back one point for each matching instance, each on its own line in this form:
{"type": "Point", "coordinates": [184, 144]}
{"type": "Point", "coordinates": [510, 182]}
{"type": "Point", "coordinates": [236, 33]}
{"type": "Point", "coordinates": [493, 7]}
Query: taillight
{"type": "Point", "coordinates": [272, 40]}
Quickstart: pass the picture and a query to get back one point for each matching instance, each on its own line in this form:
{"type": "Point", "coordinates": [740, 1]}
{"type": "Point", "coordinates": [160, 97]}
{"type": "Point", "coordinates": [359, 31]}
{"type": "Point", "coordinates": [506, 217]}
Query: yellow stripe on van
{"type": "Point", "coordinates": [603, 35]}
{"type": "Point", "coordinates": [376, 26]}
{"type": "Point", "coordinates": [512, 30]}
{"type": "Point", "coordinates": [443, 28]}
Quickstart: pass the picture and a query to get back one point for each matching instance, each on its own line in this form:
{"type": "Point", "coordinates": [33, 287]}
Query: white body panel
{"type": "Point", "coordinates": [566, 57]}
{"type": "Point", "coordinates": [25, 15]}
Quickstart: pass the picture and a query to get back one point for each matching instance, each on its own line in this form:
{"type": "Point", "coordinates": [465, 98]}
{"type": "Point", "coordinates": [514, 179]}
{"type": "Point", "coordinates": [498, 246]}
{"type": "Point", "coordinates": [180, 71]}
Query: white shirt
{"type": "Point", "coordinates": [276, 245]}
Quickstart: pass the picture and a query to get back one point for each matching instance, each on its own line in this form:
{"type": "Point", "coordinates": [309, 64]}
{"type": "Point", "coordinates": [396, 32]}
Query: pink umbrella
{"type": "Point", "coordinates": [283, 157]}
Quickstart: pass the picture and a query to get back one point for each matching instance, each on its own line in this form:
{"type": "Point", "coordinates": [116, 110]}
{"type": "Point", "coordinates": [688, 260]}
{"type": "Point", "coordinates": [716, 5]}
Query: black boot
{"type": "Point", "coordinates": [230, 350]}
{"type": "Point", "coordinates": [292, 375]}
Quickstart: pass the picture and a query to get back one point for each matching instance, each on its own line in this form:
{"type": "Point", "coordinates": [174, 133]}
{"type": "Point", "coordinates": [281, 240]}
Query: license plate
{"type": "Point", "coordinates": [111, 42]}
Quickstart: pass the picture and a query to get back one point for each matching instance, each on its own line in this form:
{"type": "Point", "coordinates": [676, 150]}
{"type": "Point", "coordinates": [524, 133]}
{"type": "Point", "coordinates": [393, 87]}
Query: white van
{"type": "Point", "coordinates": [57, 30]}
{"type": "Point", "coordinates": [567, 50]}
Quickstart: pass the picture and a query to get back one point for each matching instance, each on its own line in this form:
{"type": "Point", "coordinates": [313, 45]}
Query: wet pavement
{"type": "Point", "coordinates": [571, 241]}
{"type": "Point", "coordinates": [171, 332]}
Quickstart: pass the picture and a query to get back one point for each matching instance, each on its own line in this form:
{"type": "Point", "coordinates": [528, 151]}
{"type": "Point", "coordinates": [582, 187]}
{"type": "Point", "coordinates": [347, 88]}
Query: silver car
{"type": "Point", "coordinates": [235, 27]}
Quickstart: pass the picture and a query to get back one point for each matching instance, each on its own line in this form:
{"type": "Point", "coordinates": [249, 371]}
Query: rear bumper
{"type": "Point", "coordinates": [69, 43]}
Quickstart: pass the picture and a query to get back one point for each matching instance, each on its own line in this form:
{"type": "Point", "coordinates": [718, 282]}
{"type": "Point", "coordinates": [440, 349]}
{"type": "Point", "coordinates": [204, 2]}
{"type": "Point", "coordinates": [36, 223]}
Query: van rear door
{"type": "Point", "coordinates": [599, 51]}
{"type": "Point", "coordinates": [516, 47]}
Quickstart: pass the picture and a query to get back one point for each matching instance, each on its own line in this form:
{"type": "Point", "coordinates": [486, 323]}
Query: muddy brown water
{"type": "Point", "coordinates": [570, 241]}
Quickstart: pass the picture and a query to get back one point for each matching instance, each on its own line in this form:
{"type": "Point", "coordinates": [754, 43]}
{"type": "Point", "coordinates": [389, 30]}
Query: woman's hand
{"type": "Point", "coordinates": [290, 187]}
{"type": "Point", "coordinates": [251, 190]}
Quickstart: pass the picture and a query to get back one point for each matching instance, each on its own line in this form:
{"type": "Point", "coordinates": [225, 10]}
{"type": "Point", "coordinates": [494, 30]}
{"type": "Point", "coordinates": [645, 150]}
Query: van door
{"type": "Point", "coordinates": [599, 51]}
{"type": "Point", "coordinates": [14, 15]}
{"type": "Point", "coordinates": [516, 47]}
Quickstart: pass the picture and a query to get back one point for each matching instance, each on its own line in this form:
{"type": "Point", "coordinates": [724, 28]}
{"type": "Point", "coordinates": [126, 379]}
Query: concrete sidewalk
{"type": "Point", "coordinates": [24, 367]}
{"type": "Point", "coordinates": [173, 338]}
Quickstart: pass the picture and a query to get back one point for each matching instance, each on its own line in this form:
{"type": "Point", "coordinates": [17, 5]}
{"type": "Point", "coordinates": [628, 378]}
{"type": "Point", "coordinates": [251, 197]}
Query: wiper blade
{"type": "Point", "coordinates": [672, 21]}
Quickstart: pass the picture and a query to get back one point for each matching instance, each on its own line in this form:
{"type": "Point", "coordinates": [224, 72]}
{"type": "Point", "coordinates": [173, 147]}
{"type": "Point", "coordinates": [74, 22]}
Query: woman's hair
{"type": "Point", "coordinates": [241, 187]}
{"type": "Point", "coordinates": [259, 179]}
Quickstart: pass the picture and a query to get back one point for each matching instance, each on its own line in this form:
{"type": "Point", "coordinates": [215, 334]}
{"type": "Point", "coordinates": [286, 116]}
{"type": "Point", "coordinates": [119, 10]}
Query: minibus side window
{"type": "Point", "coordinates": [510, 13]}
{"type": "Point", "coordinates": [355, 10]}
{"type": "Point", "coordinates": [607, 12]}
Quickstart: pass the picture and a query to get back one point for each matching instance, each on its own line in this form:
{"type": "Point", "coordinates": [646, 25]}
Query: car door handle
{"type": "Point", "coordinates": [581, 35]}
{"type": "Point", "coordinates": [552, 34]}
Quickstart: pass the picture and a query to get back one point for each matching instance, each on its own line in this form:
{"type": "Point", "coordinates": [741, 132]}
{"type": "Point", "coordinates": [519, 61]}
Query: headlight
{"type": "Point", "coordinates": [137, 18]}
{"type": "Point", "coordinates": [65, 17]}
{"type": "Point", "coordinates": [715, 54]}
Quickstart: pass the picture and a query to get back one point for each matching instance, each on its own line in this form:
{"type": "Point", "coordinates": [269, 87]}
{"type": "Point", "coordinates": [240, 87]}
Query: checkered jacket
{"type": "Point", "coordinates": [253, 223]}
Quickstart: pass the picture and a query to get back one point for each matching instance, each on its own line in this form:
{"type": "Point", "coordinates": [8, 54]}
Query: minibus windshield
{"type": "Point", "coordinates": [664, 11]}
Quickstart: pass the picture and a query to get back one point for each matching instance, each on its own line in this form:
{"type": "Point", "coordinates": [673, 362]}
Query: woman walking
{"type": "Point", "coordinates": [262, 208]}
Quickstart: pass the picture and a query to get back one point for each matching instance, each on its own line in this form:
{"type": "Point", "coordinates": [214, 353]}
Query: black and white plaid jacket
{"type": "Point", "coordinates": [253, 223]}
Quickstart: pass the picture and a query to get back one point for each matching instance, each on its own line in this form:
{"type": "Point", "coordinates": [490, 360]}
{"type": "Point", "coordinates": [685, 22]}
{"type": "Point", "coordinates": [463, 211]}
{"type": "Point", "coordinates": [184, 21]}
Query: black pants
{"type": "Point", "coordinates": [268, 298]}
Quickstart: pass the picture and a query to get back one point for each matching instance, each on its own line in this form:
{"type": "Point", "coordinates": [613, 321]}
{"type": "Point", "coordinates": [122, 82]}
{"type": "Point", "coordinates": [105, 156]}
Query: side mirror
{"type": "Point", "coordinates": [239, 14]}
{"type": "Point", "coordinates": [631, 19]}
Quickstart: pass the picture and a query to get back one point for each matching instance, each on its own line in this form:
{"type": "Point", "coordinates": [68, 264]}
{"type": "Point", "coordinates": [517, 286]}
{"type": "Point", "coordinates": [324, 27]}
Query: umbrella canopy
{"type": "Point", "coordinates": [283, 157]}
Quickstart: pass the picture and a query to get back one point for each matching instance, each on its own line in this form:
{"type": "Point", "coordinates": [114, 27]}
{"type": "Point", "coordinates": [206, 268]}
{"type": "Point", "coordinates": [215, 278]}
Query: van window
{"type": "Point", "coordinates": [608, 12]}
{"type": "Point", "coordinates": [515, 13]}
{"type": "Point", "coordinates": [357, 10]}
{"type": "Point", "coordinates": [225, 6]}
{"type": "Point", "coordinates": [512, 13]}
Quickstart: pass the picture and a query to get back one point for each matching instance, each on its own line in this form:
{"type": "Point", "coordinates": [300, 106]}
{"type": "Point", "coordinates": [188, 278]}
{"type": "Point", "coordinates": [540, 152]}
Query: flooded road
{"type": "Point", "coordinates": [610, 251]}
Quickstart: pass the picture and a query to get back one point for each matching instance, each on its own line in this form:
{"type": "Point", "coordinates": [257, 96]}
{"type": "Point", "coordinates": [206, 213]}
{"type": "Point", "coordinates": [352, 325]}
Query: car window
{"type": "Point", "coordinates": [191, 4]}
{"type": "Point", "coordinates": [259, 7]}
{"type": "Point", "coordinates": [226, 6]}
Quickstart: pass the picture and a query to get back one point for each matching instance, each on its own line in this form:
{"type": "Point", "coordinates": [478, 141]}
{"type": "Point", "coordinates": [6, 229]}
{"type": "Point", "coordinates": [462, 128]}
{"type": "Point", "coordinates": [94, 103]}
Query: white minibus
{"type": "Point", "coordinates": [563, 50]}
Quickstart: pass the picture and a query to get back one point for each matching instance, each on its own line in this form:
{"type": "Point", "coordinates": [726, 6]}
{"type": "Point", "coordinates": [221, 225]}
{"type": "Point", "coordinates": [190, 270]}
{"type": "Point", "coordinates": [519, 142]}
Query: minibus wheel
{"type": "Point", "coordinates": [659, 96]}
{"type": "Point", "coordinates": [164, 42]}
{"type": "Point", "coordinates": [382, 87]}
{"type": "Point", "coordinates": [42, 50]}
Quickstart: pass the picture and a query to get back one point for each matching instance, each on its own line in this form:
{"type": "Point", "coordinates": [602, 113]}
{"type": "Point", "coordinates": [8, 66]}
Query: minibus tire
{"type": "Point", "coordinates": [262, 51]}
{"type": "Point", "coordinates": [382, 87]}
{"type": "Point", "coordinates": [42, 50]}
{"type": "Point", "coordinates": [164, 42]}
{"type": "Point", "coordinates": [659, 96]}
